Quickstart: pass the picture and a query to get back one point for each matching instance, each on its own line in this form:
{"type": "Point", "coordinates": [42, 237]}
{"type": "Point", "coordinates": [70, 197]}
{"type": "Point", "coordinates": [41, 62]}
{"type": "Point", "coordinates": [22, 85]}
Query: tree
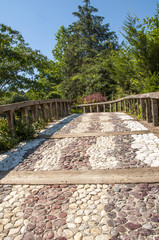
{"type": "Point", "coordinates": [78, 46]}
{"type": "Point", "coordinates": [143, 39]}
{"type": "Point", "coordinates": [17, 61]}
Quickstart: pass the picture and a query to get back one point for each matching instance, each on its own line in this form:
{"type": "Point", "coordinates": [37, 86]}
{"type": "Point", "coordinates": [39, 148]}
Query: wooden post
{"type": "Point", "coordinates": [130, 106]}
{"type": "Point", "coordinates": [104, 109]}
{"type": "Point", "coordinates": [97, 108]}
{"type": "Point", "coordinates": [120, 104]}
{"type": "Point", "coordinates": [148, 110]}
{"type": "Point", "coordinates": [35, 113]}
{"type": "Point", "coordinates": [56, 110]}
{"type": "Point", "coordinates": [43, 112]}
{"type": "Point", "coordinates": [50, 111]}
{"type": "Point", "coordinates": [138, 106]}
{"type": "Point", "coordinates": [61, 109]}
{"type": "Point", "coordinates": [116, 107]}
{"type": "Point", "coordinates": [64, 109]}
{"type": "Point", "coordinates": [143, 108]}
{"type": "Point", "coordinates": [125, 108]}
{"type": "Point", "coordinates": [66, 103]}
{"type": "Point", "coordinates": [90, 108]}
{"type": "Point", "coordinates": [69, 108]}
{"type": "Point", "coordinates": [10, 120]}
{"type": "Point", "coordinates": [25, 115]}
{"type": "Point", "coordinates": [111, 109]}
{"type": "Point", "coordinates": [155, 111]}
{"type": "Point", "coordinates": [84, 109]}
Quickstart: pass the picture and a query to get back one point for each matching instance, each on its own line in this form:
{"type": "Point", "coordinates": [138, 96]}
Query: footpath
{"type": "Point", "coordinates": [92, 176]}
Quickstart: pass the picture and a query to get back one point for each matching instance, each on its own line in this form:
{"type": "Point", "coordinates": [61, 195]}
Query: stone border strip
{"type": "Point", "coordinates": [110, 120]}
{"type": "Point", "coordinates": [112, 176]}
{"type": "Point", "coordinates": [59, 136]}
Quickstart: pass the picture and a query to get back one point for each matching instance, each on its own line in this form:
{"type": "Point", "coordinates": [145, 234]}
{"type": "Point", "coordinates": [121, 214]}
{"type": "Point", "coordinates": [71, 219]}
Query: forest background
{"type": "Point", "coordinates": [87, 59]}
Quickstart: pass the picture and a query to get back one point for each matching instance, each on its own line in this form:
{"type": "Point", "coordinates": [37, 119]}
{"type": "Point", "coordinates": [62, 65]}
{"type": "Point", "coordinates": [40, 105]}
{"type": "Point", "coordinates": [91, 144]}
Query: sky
{"type": "Point", "coordinates": [39, 20]}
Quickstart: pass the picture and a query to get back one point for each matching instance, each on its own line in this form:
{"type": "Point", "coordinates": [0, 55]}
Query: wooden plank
{"type": "Point", "coordinates": [104, 134]}
{"type": "Point", "coordinates": [109, 176]}
{"type": "Point", "coordinates": [16, 106]}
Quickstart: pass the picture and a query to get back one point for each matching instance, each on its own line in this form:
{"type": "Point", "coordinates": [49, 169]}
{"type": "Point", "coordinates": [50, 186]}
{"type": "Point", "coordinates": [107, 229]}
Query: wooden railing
{"type": "Point", "coordinates": [146, 105]}
{"type": "Point", "coordinates": [47, 109]}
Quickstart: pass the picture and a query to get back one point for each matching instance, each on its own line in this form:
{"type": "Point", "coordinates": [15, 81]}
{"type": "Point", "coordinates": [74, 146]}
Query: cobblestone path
{"type": "Point", "coordinates": [89, 211]}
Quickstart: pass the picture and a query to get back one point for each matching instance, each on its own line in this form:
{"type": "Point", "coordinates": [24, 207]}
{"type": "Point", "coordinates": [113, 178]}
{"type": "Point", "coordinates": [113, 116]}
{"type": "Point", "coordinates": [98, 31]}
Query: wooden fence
{"type": "Point", "coordinates": [47, 109]}
{"type": "Point", "coordinates": [146, 105]}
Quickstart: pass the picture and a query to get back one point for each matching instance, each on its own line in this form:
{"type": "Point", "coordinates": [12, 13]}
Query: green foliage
{"type": "Point", "coordinates": [13, 97]}
{"type": "Point", "coordinates": [76, 111]}
{"type": "Point", "coordinates": [7, 141]}
{"type": "Point", "coordinates": [23, 132]}
{"type": "Point", "coordinates": [78, 52]}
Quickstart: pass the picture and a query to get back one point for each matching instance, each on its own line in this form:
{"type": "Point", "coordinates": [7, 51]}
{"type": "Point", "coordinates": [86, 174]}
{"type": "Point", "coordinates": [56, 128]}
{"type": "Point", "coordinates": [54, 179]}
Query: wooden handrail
{"type": "Point", "coordinates": [47, 108]}
{"type": "Point", "coordinates": [145, 104]}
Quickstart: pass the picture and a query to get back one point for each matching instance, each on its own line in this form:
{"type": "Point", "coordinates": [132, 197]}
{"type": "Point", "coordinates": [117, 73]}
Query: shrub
{"type": "Point", "coordinates": [93, 98]}
{"type": "Point", "coordinates": [7, 141]}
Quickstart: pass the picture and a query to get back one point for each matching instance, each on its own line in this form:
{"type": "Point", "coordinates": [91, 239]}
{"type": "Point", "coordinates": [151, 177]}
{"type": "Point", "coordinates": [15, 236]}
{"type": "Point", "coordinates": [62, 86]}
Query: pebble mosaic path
{"type": "Point", "coordinates": [82, 212]}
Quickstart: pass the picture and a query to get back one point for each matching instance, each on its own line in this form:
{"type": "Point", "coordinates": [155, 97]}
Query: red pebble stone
{"type": "Point", "coordinates": [26, 216]}
{"type": "Point", "coordinates": [48, 225]}
{"type": "Point", "coordinates": [62, 238]}
{"type": "Point", "coordinates": [155, 219]}
{"type": "Point", "coordinates": [52, 217]}
{"type": "Point", "coordinates": [62, 214]}
{"type": "Point", "coordinates": [40, 224]}
{"type": "Point", "coordinates": [60, 222]}
{"type": "Point", "coordinates": [68, 194]}
{"type": "Point", "coordinates": [41, 218]}
{"type": "Point", "coordinates": [30, 227]}
{"type": "Point", "coordinates": [33, 219]}
{"type": "Point", "coordinates": [39, 207]}
{"type": "Point", "coordinates": [121, 228]}
{"type": "Point", "coordinates": [35, 199]}
{"type": "Point", "coordinates": [57, 207]}
{"type": "Point", "coordinates": [48, 235]}
{"type": "Point", "coordinates": [54, 210]}
{"type": "Point", "coordinates": [133, 226]}
{"type": "Point", "coordinates": [61, 198]}
{"type": "Point", "coordinates": [39, 231]}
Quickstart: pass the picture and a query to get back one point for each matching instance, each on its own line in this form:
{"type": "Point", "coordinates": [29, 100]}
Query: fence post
{"type": "Point", "coordinates": [69, 108]}
{"type": "Point", "coordinates": [50, 111]}
{"type": "Point", "coordinates": [138, 108]}
{"type": "Point", "coordinates": [97, 108]}
{"type": "Point", "coordinates": [10, 120]}
{"type": "Point", "coordinates": [43, 111]}
{"type": "Point", "coordinates": [120, 105]}
{"type": "Point", "coordinates": [111, 107]}
{"type": "Point", "coordinates": [125, 108]}
{"type": "Point", "coordinates": [104, 108]}
{"type": "Point", "coordinates": [35, 113]}
{"type": "Point", "coordinates": [148, 110]}
{"type": "Point", "coordinates": [155, 111]}
{"type": "Point", "coordinates": [25, 115]}
{"type": "Point", "coordinates": [143, 108]}
{"type": "Point", "coordinates": [90, 108]}
{"type": "Point", "coordinates": [116, 107]}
